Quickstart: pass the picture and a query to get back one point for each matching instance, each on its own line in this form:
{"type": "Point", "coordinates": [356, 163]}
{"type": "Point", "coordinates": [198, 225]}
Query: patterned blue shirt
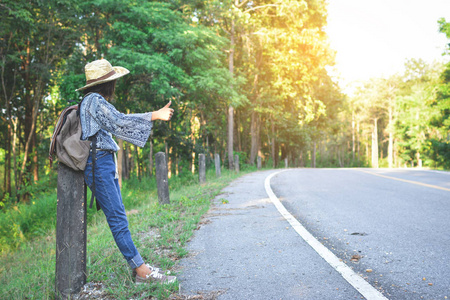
{"type": "Point", "coordinates": [100, 117]}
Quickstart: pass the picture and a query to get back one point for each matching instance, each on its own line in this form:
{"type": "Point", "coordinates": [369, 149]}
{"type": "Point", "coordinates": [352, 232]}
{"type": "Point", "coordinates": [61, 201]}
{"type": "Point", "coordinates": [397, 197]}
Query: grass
{"type": "Point", "coordinates": [160, 233]}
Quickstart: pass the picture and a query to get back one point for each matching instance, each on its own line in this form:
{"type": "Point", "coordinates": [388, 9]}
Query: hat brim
{"type": "Point", "coordinates": [120, 72]}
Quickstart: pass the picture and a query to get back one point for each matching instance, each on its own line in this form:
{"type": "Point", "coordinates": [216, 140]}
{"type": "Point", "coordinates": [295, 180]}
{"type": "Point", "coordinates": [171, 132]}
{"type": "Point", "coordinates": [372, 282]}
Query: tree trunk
{"type": "Point", "coordinates": [238, 132]}
{"type": "Point", "coordinates": [338, 152]}
{"type": "Point", "coordinates": [391, 139]}
{"type": "Point", "coordinates": [313, 158]}
{"type": "Point", "coordinates": [230, 108]}
{"type": "Point", "coordinates": [28, 144]}
{"type": "Point", "coordinates": [230, 136]}
{"type": "Point", "coordinates": [35, 164]}
{"type": "Point", "coordinates": [177, 165]}
{"type": "Point", "coordinates": [255, 120]}
{"type": "Point", "coordinates": [283, 151]}
{"type": "Point", "coordinates": [395, 156]}
{"type": "Point", "coordinates": [30, 112]}
{"type": "Point", "coordinates": [273, 145]}
{"type": "Point", "coordinates": [353, 136]}
{"type": "Point", "coordinates": [14, 151]}
{"type": "Point", "coordinates": [419, 160]}
{"type": "Point", "coordinates": [193, 163]}
{"type": "Point", "coordinates": [150, 158]}
{"type": "Point", "coordinates": [358, 146]}
{"type": "Point", "coordinates": [366, 138]}
{"type": "Point", "coordinates": [138, 163]}
{"type": "Point", "coordinates": [301, 159]}
{"type": "Point", "coordinates": [169, 163]}
{"type": "Point", "coordinates": [130, 161]}
{"type": "Point", "coordinates": [208, 150]}
{"type": "Point", "coordinates": [375, 144]}
{"type": "Point", "coordinates": [322, 151]}
{"type": "Point", "coordinates": [254, 137]}
{"type": "Point", "coordinates": [7, 186]}
{"type": "Point", "coordinates": [166, 151]}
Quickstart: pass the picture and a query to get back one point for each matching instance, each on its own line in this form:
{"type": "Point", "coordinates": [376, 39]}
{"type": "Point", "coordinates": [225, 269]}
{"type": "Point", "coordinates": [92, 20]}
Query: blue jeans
{"type": "Point", "coordinates": [108, 196]}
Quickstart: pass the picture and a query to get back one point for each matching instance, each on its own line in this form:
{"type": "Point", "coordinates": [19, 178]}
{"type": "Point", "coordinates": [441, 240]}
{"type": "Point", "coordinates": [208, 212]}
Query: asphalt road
{"type": "Point", "coordinates": [394, 223]}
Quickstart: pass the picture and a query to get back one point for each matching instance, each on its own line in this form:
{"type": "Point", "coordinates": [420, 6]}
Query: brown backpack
{"type": "Point", "coordinates": [66, 143]}
{"type": "Point", "coordinates": [66, 140]}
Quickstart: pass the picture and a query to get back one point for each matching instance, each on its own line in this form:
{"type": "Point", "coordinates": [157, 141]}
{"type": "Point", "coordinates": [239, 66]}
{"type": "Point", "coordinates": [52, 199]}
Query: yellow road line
{"type": "Point", "coordinates": [409, 181]}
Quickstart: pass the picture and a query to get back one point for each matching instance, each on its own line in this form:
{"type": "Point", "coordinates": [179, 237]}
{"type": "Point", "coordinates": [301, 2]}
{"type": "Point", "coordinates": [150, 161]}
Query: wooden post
{"type": "Point", "coordinates": [236, 163]}
{"type": "Point", "coordinates": [258, 162]}
{"type": "Point", "coordinates": [286, 165]}
{"type": "Point", "coordinates": [70, 233]}
{"type": "Point", "coordinates": [162, 181]}
{"type": "Point", "coordinates": [201, 168]}
{"type": "Point", "coordinates": [217, 164]}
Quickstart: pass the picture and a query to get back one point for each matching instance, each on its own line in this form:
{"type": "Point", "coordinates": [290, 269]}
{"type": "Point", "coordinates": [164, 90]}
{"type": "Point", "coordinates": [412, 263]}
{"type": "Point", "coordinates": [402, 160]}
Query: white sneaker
{"type": "Point", "coordinates": [155, 275]}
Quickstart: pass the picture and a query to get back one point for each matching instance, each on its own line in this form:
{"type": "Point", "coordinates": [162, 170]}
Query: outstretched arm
{"type": "Point", "coordinates": [164, 113]}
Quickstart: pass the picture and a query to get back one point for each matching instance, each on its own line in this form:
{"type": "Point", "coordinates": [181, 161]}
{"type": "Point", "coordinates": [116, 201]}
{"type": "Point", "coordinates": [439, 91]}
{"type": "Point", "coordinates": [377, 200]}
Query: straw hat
{"type": "Point", "coordinates": [101, 71]}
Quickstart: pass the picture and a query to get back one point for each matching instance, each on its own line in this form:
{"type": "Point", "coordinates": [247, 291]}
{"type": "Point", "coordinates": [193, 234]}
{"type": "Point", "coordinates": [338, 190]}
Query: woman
{"type": "Point", "coordinates": [100, 119]}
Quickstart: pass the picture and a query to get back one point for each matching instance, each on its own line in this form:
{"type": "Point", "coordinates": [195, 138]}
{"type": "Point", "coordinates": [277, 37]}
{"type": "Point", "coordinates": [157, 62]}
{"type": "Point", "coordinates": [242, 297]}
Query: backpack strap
{"type": "Point", "coordinates": [93, 140]}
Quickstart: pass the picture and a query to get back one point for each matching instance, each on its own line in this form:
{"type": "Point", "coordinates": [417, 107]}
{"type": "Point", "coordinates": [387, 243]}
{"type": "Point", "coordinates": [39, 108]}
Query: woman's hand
{"type": "Point", "coordinates": [164, 113]}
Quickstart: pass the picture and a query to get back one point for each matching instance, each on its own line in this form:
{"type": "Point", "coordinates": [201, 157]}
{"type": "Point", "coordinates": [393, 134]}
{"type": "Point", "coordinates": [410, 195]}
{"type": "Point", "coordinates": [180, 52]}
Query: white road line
{"type": "Point", "coordinates": [362, 286]}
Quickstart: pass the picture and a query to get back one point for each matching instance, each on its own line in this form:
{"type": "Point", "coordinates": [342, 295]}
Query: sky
{"type": "Point", "coordinates": [373, 38]}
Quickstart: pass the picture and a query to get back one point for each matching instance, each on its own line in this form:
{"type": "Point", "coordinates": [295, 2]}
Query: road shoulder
{"type": "Point", "coordinates": [246, 250]}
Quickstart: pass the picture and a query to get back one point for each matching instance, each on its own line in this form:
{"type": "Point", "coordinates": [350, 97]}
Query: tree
{"type": "Point", "coordinates": [418, 110]}
{"type": "Point", "coordinates": [169, 59]}
{"type": "Point", "coordinates": [36, 39]}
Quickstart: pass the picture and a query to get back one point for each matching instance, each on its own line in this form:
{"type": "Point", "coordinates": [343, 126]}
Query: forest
{"type": "Point", "coordinates": [245, 77]}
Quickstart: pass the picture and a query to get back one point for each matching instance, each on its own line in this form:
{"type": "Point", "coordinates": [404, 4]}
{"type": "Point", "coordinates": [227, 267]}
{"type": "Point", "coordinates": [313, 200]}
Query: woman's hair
{"type": "Point", "coordinates": [105, 89]}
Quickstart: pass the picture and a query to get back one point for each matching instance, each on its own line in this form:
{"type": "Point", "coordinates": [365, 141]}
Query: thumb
{"type": "Point", "coordinates": [168, 104]}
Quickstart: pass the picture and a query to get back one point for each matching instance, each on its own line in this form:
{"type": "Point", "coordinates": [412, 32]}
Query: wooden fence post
{"type": "Point", "coordinates": [162, 181]}
{"type": "Point", "coordinates": [201, 169]}
{"type": "Point", "coordinates": [258, 162]}
{"type": "Point", "coordinates": [217, 164]}
{"type": "Point", "coordinates": [70, 233]}
{"type": "Point", "coordinates": [236, 163]}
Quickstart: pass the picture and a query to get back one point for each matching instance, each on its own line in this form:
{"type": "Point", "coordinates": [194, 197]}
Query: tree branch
{"type": "Point", "coordinates": [240, 4]}
{"type": "Point", "coordinates": [262, 6]}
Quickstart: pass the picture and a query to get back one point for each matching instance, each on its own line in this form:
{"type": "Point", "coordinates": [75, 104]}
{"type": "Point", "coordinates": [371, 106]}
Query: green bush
{"type": "Point", "coordinates": [27, 269]}
{"type": "Point", "coordinates": [20, 222]}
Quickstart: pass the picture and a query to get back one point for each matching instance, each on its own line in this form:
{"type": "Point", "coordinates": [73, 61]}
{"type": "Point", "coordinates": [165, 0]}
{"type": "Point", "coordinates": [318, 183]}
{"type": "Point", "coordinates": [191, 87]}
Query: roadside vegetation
{"type": "Point", "coordinates": [159, 231]}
